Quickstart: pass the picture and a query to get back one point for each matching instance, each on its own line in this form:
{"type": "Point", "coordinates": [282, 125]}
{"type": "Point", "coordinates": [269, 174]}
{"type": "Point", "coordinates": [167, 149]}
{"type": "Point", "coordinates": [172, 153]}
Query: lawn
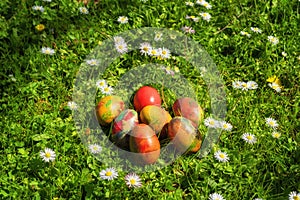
{"type": "Point", "coordinates": [239, 59]}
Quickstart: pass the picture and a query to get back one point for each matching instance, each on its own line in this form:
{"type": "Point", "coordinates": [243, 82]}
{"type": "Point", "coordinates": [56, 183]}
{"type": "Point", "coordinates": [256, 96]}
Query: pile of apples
{"type": "Point", "coordinates": [143, 129]}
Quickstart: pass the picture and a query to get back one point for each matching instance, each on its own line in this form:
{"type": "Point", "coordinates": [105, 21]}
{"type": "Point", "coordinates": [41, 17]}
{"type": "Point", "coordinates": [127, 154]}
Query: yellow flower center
{"type": "Point", "coordinates": [271, 123]}
{"type": "Point", "coordinates": [47, 154]}
{"type": "Point", "coordinates": [109, 173]}
{"type": "Point", "coordinates": [296, 198]}
{"type": "Point", "coordinates": [222, 155]}
{"type": "Point", "coordinates": [249, 137]}
{"type": "Point", "coordinates": [106, 89]}
{"type": "Point", "coordinates": [132, 181]}
{"type": "Point", "coordinates": [47, 51]}
{"type": "Point", "coordinates": [212, 123]}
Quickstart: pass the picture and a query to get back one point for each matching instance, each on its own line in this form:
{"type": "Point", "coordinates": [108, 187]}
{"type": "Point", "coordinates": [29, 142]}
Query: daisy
{"type": "Point", "coordinates": [123, 19]}
{"type": "Point", "coordinates": [205, 16]}
{"type": "Point", "coordinates": [244, 86]}
{"type": "Point", "coordinates": [119, 39]}
{"type": "Point", "coordinates": [72, 105]}
{"type": "Point", "coordinates": [249, 138]}
{"type": "Point", "coordinates": [206, 5]}
{"type": "Point", "coordinates": [225, 126]}
{"type": "Point", "coordinates": [121, 47]}
{"type": "Point", "coordinates": [255, 30]}
{"type": "Point", "coordinates": [210, 122]}
{"type": "Point", "coordinates": [92, 62]}
{"type": "Point", "coordinates": [195, 19]}
{"type": "Point", "coordinates": [47, 0]}
{"type": "Point", "coordinates": [95, 148]}
{"type": "Point", "coordinates": [101, 84]}
{"type": "Point", "coordinates": [133, 180]}
{"type": "Point", "coordinates": [271, 122]}
{"type": "Point", "coordinates": [145, 48]}
{"type": "Point", "coordinates": [245, 33]}
{"type": "Point", "coordinates": [158, 36]}
{"type": "Point", "coordinates": [153, 52]}
{"type": "Point", "coordinates": [38, 8]}
{"type": "Point", "coordinates": [275, 86]}
{"type": "Point", "coordinates": [200, 2]}
{"type": "Point", "coordinates": [221, 156]}
{"type": "Point", "coordinates": [294, 196]}
{"type": "Point", "coordinates": [47, 50]}
{"type": "Point", "coordinates": [176, 69]}
{"type": "Point", "coordinates": [252, 85]}
{"type": "Point", "coordinates": [237, 84]}
{"type": "Point", "coordinates": [107, 90]}
{"type": "Point", "coordinates": [215, 196]}
{"type": "Point", "coordinates": [169, 71]}
{"type": "Point", "coordinates": [109, 174]}
{"type": "Point", "coordinates": [84, 10]}
{"type": "Point", "coordinates": [283, 54]}
{"type": "Point", "coordinates": [188, 29]}
{"type": "Point", "coordinates": [164, 53]}
{"type": "Point", "coordinates": [48, 155]}
{"type": "Point", "coordinates": [276, 134]}
{"type": "Point", "coordinates": [273, 40]}
{"type": "Point", "coordinates": [189, 3]}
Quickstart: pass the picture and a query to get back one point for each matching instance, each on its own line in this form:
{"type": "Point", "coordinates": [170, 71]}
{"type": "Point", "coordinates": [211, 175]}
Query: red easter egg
{"type": "Point", "coordinates": [145, 96]}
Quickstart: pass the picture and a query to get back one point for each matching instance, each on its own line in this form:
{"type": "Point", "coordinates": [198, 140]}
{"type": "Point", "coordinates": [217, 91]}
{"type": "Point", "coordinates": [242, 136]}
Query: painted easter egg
{"type": "Point", "coordinates": [145, 96]}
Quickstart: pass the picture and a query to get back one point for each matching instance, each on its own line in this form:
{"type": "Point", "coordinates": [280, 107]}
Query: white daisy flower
{"type": "Point", "coordinates": [252, 85]}
{"type": "Point", "coordinates": [195, 19]}
{"type": "Point", "coordinates": [72, 105]}
{"type": "Point", "coordinates": [271, 122]}
{"type": "Point", "coordinates": [225, 126]}
{"type": "Point", "coordinates": [92, 62]}
{"type": "Point", "coordinates": [168, 70]}
{"type": "Point", "coordinates": [275, 86]}
{"type": "Point", "coordinates": [119, 39]}
{"type": "Point", "coordinates": [212, 123]}
{"type": "Point", "coordinates": [249, 138]}
{"type": "Point", "coordinates": [245, 33]}
{"type": "Point", "coordinates": [221, 156]}
{"type": "Point", "coordinates": [95, 148]}
{"type": "Point", "coordinates": [47, 50]}
{"type": "Point", "coordinates": [47, 0]}
{"type": "Point", "coordinates": [215, 196]}
{"type": "Point", "coordinates": [244, 86]}
{"type": "Point", "coordinates": [206, 5]}
{"type": "Point", "coordinates": [283, 54]}
{"type": "Point", "coordinates": [273, 40]}
{"type": "Point", "coordinates": [255, 30]}
{"type": "Point", "coordinates": [188, 29]}
{"type": "Point", "coordinates": [145, 47]}
{"type": "Point", "coordinates": [109, 174]}
{"type": "Point", "coordinates": [108, 90]}
{"type": "Point", "coordinates": [237, 84]}
{"type": "Point", "coordinates": [294, 196]}
{"type": "Point", "coordinates": [153, 52]}
{"type": "Point", "coordinates": [206, 16]}
{"type": "Point", "coordinates": [164, 53]}
{"type": "Point", "coordinates": [200, 2]}
{"type": "Point", "coordinates": [84, 10]}
{"type": "Point", "coordinates": [121, 47]}
{"type": "Point", "coordinates": [158, 36]}
{"type": "Point", "coordinates": [189, 3]}
{"type": "Point", "coordinates": [101, 84]}
{"type": "Point", "coordinates": [276, 134]}
{"type": "Point", "coordinates": [48, 155]}
{"type": "Point", "coordinates": [123, 19]}
{"type": "Point", "coordinates": [133, 180]}
{"type": "Point", "coordinates": [38, 8]}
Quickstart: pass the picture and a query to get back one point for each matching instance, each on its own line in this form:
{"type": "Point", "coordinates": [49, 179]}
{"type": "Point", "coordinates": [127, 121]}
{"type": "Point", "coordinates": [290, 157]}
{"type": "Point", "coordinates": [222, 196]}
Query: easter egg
{"type": "Point", "coordinates": [145, 96]}
{"type": "Point", "coordinates": [155, 116]}
{"type": "Point", "coordinates": [183, 135]}
{"type": "Point", "coordinates": [122, 125]}
{"type": "Point", "coordinates": [188, 108]}
{"type": "Point", "coordinates": [144, 142]}
{"type": "Point", "coordinates": [108, 109]}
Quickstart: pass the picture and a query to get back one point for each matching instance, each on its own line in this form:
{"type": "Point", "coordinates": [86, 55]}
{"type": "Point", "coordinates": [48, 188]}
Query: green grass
{"type": "Point", "coordinates": [34, 112]}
